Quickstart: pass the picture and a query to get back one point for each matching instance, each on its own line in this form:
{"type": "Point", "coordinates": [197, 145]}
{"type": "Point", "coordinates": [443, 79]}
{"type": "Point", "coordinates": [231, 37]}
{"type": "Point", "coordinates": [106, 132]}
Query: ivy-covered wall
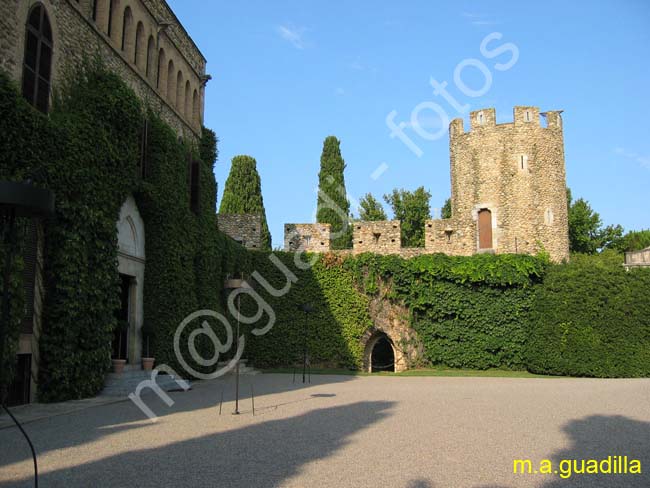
{"type": "Point", "coordinates": [87, 150]}
{"type": "Point", "coordinates": [334, 328]}
{"type": "Point", "coordinates": [469, 312]}
{"type": "Point", "coordinates": [586, 318]}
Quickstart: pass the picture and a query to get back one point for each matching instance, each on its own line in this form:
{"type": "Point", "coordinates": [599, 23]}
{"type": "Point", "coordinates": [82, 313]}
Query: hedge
{"type": "Point", "coordinates": [591, 318]}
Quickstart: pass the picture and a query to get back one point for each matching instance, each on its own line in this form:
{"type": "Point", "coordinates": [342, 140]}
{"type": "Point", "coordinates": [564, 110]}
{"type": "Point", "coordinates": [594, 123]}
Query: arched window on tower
{"type": "Point", "coordinates": [37, 62]}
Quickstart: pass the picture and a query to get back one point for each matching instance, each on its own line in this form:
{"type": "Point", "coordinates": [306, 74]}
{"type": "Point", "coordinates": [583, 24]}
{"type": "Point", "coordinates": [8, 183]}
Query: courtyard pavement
{"type": "Point", "coordinates": [343, 431]}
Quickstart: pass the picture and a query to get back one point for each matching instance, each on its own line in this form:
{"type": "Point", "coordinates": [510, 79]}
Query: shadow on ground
{"type": "Point", "coordinates": [596, 437]}
{"type": "Point", "coordinates": [79, 428]}
{"type": "Point", "coordinates": [600, 436]}
{"type": "Point", "coordinates": [260, 455]}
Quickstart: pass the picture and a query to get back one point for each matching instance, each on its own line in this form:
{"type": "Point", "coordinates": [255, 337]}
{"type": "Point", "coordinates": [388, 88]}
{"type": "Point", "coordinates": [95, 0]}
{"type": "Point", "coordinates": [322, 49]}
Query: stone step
{"type": "Point", "coordinates": [127, 382]}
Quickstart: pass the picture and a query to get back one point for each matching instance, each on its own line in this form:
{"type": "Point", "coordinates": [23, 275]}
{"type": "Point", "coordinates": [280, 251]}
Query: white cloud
{"type": "Point", "coordinates": [644, 161]}
{"type": "Point", "coordinates": [292, 34]}
{"type": "Point", "coordinates": [479, 19]}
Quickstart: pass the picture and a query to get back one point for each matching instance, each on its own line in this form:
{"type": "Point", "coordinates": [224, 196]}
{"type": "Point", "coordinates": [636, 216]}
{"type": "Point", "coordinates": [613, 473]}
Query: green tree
{"type": "Point", "coordinates": [242, 194]}
{"type": "Point", "coordinates": [370, 209]}
{"type": "Point", "coordinates": [634, 240]}
{"type": "Point", "coordinates": [333, 204]}
{"type": "Point", "coordinates": [586, 232]}
{"type": "Point", "coordinates": [446, 209]}
{"type": "Point", "coordinates": [412, 209]}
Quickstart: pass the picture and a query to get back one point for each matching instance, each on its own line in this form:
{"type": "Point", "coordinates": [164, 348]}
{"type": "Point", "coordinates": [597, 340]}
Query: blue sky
{"type": "Point", "coordinates": [287, 74]}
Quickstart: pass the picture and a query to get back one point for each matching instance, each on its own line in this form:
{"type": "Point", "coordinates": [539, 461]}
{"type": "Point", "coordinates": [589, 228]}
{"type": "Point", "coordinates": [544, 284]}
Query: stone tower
{"type": "Point", "coordinates": [508, 187]}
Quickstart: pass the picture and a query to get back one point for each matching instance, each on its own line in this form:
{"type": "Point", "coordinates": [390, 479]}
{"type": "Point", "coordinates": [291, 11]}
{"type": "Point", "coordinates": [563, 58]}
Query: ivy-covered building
{"type": "Point", "coordinates": [115, 129]}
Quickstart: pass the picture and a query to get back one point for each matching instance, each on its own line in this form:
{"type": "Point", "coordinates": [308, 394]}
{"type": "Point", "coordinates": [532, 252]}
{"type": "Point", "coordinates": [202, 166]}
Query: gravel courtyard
{"type": "Point", "coordinates": [344, 431]}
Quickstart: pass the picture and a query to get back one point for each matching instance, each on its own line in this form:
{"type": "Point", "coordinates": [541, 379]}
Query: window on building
{"type": "Point", "coordinates": [127, 30]}
{"type": "Point", "coordinates": [481, 118]}
{"type": "Point", "coordinates": [376, 237]}
{"type": "Point", "coordinates": [110, 17]}
{"type": "Point", "coordinates": [527, 116]}
{"type": "Point", "coordinates": [523, 162]}
{"type": "Point", "coordinates": [548, 217]}
{"type": "Point", "coordinates": [37, 63]}
{"type": "Point", "coordinates": [140, 55]}
{"type": "Point", "coordinates": [195, 176]}
{"type": "Point", "coordinates": [307, 240]}
{"type": "Point", "coordinates": [160, 77]}
{"type": "Point", "coordinates": [151, 54]}
{"type": "Point", "coordinates": [144, 149]}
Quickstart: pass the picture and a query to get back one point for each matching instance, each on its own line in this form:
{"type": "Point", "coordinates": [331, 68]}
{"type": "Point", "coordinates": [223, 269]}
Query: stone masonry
{"type": "Point", "coordinates": [307, 237]}
{"type": "Point", "coordinates": [381, 237]}
{"type": "Point", "coordinates": [147, 46]}
{"type": "Point", "coordinates": [508, 192]}
{"type": "Point", "coordinates": [144, 43]}
{"type": "Point", "coordinates": [637, 259]}
{"type": "Point", "coordinates": [245, 229]}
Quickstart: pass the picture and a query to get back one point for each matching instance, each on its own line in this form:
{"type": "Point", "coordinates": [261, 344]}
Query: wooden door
{"type": "Point", "coordinates": [485, 229]}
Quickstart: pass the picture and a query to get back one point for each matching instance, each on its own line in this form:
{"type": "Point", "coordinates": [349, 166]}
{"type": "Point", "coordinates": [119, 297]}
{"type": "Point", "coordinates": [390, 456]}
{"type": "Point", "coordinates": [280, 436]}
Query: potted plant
{"type": "Point", "coordinates": [119, 363]}
{"type": "Point", "coordinates": [147, 334]}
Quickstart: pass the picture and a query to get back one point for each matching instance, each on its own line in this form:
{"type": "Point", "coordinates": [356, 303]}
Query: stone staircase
{"type": "Point", "coordinates": [244, 368]}
{"type": "Point", "coordinates": [120, 385]}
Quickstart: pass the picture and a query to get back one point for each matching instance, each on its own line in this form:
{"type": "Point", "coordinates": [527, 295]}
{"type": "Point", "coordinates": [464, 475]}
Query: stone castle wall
{"type": "Point", "coordinates": [381, 237]}
{"type": "Point", "coordinates": [246, 229]}
{"type": "Point", "coordinates": [514, 170]}
{"type": "Point", "coordinates": [177, 93]}
{"type": "Point", "coordinates": [307, 237]}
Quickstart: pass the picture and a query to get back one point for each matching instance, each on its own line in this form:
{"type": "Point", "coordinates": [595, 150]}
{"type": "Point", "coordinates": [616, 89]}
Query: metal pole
{"type": "Point", "coordinates": [236, 412]}
{"type": "Point", "coordinates": [304, 349]}
{"type": "Point", "coordinates": [253, 398]}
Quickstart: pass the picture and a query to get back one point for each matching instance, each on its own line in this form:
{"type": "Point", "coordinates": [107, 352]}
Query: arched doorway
{"type": "Point", "coordinates": [131, 264]}
{"type": "Point", "coordinates": [382, 355]}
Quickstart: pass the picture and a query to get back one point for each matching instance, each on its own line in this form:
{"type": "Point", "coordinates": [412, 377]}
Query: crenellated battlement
{"type": "Point", "coordinates": [526, 117]}
{"type": "Point", "coordinates": [307, 237]}
{"type": "Point", "coordinates": [246, 229]}
{"type": "Point", "coordinates": [508, 194]}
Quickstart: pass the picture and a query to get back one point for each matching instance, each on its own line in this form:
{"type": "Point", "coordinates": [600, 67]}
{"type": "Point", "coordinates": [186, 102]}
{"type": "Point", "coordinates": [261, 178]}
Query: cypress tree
{"type": "Point", "coordinates": [333, 204]}
{"type": "Point", "coordinates": [242, 194]}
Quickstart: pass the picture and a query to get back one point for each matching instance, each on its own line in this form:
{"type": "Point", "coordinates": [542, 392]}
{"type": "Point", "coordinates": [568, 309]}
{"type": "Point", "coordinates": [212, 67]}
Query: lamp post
{"type": "Point", "coordinates": [307, 308]}
{"type": "Point", "coordinates": [17, 200]}
{"type": "Point", "coordinates": [229, 286]}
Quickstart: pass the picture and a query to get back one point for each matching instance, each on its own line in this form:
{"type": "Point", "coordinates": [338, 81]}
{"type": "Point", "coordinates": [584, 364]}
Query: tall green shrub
{"type": "Point", "coordinates": [333, 205]}
{"type": "Point", "coordinates": [591, 318]}
{"type": "Point", "coordinates": [243, 194]}
{"type": "Point", "coordinates": [412, 209]}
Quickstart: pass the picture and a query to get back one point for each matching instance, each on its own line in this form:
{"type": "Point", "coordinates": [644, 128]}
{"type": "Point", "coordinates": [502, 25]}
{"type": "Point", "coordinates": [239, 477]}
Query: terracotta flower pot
{"type": "Point", "coordinates": [147, 363]}
{"type": "Point", "coordinates": [118, 365]}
